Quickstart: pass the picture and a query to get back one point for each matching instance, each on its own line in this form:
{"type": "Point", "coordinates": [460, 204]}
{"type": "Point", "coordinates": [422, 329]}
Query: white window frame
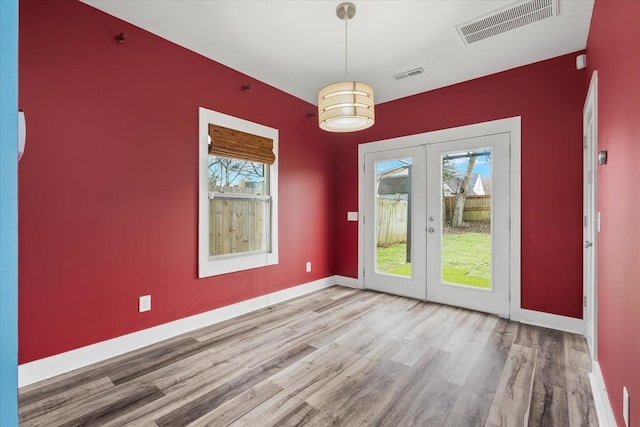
{"type": "Point", "coordinates": [223, 264]}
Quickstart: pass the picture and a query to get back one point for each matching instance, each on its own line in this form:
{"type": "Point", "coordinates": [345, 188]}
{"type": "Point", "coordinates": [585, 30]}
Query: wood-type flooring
{"type": "Point", "coordinates": [341, 357]}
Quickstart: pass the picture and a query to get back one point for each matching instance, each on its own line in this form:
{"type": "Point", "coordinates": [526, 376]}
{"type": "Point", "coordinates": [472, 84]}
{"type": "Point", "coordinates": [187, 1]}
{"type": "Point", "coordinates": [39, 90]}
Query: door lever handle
{"type": "Point", "coordinates": [431, 229]}
{"type": "Point", "coordinates": [588, 244]}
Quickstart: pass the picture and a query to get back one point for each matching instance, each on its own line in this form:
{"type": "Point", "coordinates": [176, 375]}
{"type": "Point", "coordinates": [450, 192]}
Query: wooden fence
{"type": "Point", "coordinates": [236, 225]}
{"type": "Point", "coordinates": [391, 221]}
{"type": "Point", "coordinates": [476, 208]}
{"type": "Point", "coordinates": [391, 216]}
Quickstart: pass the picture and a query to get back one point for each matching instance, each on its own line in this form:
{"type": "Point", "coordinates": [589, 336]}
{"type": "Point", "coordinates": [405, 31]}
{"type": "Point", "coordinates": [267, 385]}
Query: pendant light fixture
{"type": "Point", "coordinates": [346, 106]}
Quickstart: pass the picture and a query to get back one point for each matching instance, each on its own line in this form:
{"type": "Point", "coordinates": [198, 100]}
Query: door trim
{"type": "Point", "coordinates": [509, 125]}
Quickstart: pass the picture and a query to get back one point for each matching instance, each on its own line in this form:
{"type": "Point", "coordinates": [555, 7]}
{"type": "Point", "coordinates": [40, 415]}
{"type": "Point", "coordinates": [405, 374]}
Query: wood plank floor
{"type": "Point", "coordinates": [335, 357]}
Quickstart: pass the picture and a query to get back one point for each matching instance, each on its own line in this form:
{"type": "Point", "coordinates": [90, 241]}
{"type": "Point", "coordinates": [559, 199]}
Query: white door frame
{"type": "Point", "coordinates": [590, 217]}
{"type": "Point", "coordinates": [509, 125]}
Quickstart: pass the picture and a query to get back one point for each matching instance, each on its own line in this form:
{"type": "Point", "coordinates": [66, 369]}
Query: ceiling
{"type": "Point", "coordinates": [299, 46]}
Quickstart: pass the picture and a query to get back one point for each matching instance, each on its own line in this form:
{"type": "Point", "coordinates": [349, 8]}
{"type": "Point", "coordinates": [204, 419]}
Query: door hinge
{"type": "Point", "coordinates": [584, 221]}
{"type": "Point", "coordinates": [364, 167]}
{"type": "Point", "coordinates": [584, 141]}
{"type": "Point", "coordinates": [584, 301]}
{"type": "Point", "coordinates": [363, 273]}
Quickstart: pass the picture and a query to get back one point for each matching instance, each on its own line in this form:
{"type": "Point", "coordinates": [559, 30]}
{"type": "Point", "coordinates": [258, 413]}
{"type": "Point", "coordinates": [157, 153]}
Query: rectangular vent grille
{"type": "Point", "coordinates": [409, 73]}
{"type": "Point", "coordinates": [506, 19]}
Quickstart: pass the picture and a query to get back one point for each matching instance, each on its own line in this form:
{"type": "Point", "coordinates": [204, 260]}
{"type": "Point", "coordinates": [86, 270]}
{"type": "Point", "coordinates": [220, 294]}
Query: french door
{"type": "Point", "coordinates": [395, 221]}
{"type": "Point", "coordinates": [436, 222]}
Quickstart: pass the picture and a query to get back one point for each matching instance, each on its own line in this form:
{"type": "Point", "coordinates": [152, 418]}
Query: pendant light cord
{"type": "Point", "coordinates": [346, 39]}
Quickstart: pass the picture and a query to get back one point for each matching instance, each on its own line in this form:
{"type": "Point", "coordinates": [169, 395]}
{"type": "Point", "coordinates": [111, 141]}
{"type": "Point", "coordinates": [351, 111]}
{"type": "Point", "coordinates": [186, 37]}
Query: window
{"type": "Point", "coordinates": [238, 213]}
{"type": "Point", "coordinates": [239, 204]}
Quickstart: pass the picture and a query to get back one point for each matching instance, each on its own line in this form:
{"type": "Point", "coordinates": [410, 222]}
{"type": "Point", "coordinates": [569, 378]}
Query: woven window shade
{"type": "Point", "coordinates": [239, 145]}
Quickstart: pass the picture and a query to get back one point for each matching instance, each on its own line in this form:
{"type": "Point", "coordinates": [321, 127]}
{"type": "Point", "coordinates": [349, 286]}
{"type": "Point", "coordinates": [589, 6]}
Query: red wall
{"type": "Point", "coordinates": [549, 96]}
{"type": "Point", "coordinates": [108, 183]}
{"type": "Point", "coordinates": [613, 49]}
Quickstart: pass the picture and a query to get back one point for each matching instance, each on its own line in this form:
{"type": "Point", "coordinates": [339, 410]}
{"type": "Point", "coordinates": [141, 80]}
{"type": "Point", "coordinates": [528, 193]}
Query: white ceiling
{"type": "Point", "coordinates": [298, 46]}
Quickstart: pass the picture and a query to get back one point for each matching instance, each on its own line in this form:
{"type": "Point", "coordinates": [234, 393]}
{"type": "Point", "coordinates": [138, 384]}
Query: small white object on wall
{"type": "Point", "coordinates": [352, 216]}
{"type": "Point", "coordinates": [581, 61]}
{"type": "Point", "coordinates": [22, 133]}
{"type": "Point", "coordinates": [144, 303]}
{"type": "Point", "coordinates": [625, 405]}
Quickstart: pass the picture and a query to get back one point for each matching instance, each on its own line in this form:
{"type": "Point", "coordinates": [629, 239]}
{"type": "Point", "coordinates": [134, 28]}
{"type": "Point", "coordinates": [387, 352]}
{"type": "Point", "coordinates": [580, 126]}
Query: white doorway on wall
{"type": "Point", "coordinates": [591, 218]}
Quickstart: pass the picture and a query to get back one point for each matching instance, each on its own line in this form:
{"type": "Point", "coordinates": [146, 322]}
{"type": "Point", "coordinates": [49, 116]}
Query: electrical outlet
{"type": "Point", "coordinates": [625, 405]}
{"type": "Point", "coordinates": [308, 266]}
{"type": "Point", "coordinates": [144, 303]}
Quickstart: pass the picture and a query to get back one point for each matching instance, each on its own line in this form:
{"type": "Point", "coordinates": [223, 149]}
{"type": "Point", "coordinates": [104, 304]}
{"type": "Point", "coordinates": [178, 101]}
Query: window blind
{"type": "Point", "coordinates": [240, 145]}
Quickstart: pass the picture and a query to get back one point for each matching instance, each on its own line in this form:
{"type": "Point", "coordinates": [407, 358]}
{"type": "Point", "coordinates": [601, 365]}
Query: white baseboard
{"type": "Point", "coordinates": [349, 282]}
{"type": "Point", "coordinates": [38, 370]}
{"type": "Point", "coordinates": [548, 320]}
{"type": "Point", "coordinates": [600, 397]}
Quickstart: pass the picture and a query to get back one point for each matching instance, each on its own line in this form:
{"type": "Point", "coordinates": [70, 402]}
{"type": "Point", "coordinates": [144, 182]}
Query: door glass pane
{"type": "Point", "coordinates": [466, 218]}
{"type": "Point", "coordinates": [393, 216]}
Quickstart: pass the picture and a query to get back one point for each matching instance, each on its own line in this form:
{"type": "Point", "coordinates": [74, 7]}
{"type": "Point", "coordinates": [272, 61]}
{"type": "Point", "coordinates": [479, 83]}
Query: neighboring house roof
{"type": "Point", "coordinates": [394, 181]}
{"type": "Point", "coordinates": [476, 187]}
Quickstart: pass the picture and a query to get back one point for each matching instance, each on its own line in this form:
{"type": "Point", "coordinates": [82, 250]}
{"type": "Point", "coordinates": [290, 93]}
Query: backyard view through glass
{"type": "Point", "coordinates": [392, 213]}
{"type": "Point", "coordinates": [466, 218]}
{"type": "Point", "coordinates": [238, 206]}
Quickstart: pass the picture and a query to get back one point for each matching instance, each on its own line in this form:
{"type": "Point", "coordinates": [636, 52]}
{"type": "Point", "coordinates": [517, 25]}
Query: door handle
{"type": "Point", "coordinates": [588, 244]}
{"type": "Point", "coordinates": [431, 229]}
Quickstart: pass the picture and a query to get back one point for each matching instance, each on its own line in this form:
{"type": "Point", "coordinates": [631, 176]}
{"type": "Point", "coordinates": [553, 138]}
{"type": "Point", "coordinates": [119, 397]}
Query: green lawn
{"type": "Point", "coordinates": [466, 259]}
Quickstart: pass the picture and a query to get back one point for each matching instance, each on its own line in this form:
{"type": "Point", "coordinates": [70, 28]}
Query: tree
{"type": "Point", "coordinates": [461, 194]}
{"type": "Point", "coordinates": [227, 172]}
{"type": "Point", "coordinates": [448, 169]}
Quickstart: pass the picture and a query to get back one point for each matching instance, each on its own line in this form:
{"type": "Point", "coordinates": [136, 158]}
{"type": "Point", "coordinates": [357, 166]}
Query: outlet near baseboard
{"type": "Point", "coordinates": [308, 266]}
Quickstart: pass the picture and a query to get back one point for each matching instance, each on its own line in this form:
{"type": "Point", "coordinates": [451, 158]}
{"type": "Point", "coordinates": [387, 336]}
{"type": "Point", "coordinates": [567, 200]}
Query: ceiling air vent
{"type": "Point", "coordinates": [506, 19]}
{"type": "Point", "coordinates": [409, 73]}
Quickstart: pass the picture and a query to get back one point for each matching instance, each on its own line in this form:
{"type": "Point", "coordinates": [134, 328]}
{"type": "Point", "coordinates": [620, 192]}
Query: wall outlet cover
{"type": "Point", "coordinates": [308, 266]}
{"type": "Point", "coordinates": [144, 303]}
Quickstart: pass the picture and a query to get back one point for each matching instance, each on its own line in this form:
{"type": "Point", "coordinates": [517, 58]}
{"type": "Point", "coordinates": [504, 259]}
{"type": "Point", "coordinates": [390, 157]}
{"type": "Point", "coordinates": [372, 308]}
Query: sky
{"type": "Point", "coordinates": [482, 166]}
